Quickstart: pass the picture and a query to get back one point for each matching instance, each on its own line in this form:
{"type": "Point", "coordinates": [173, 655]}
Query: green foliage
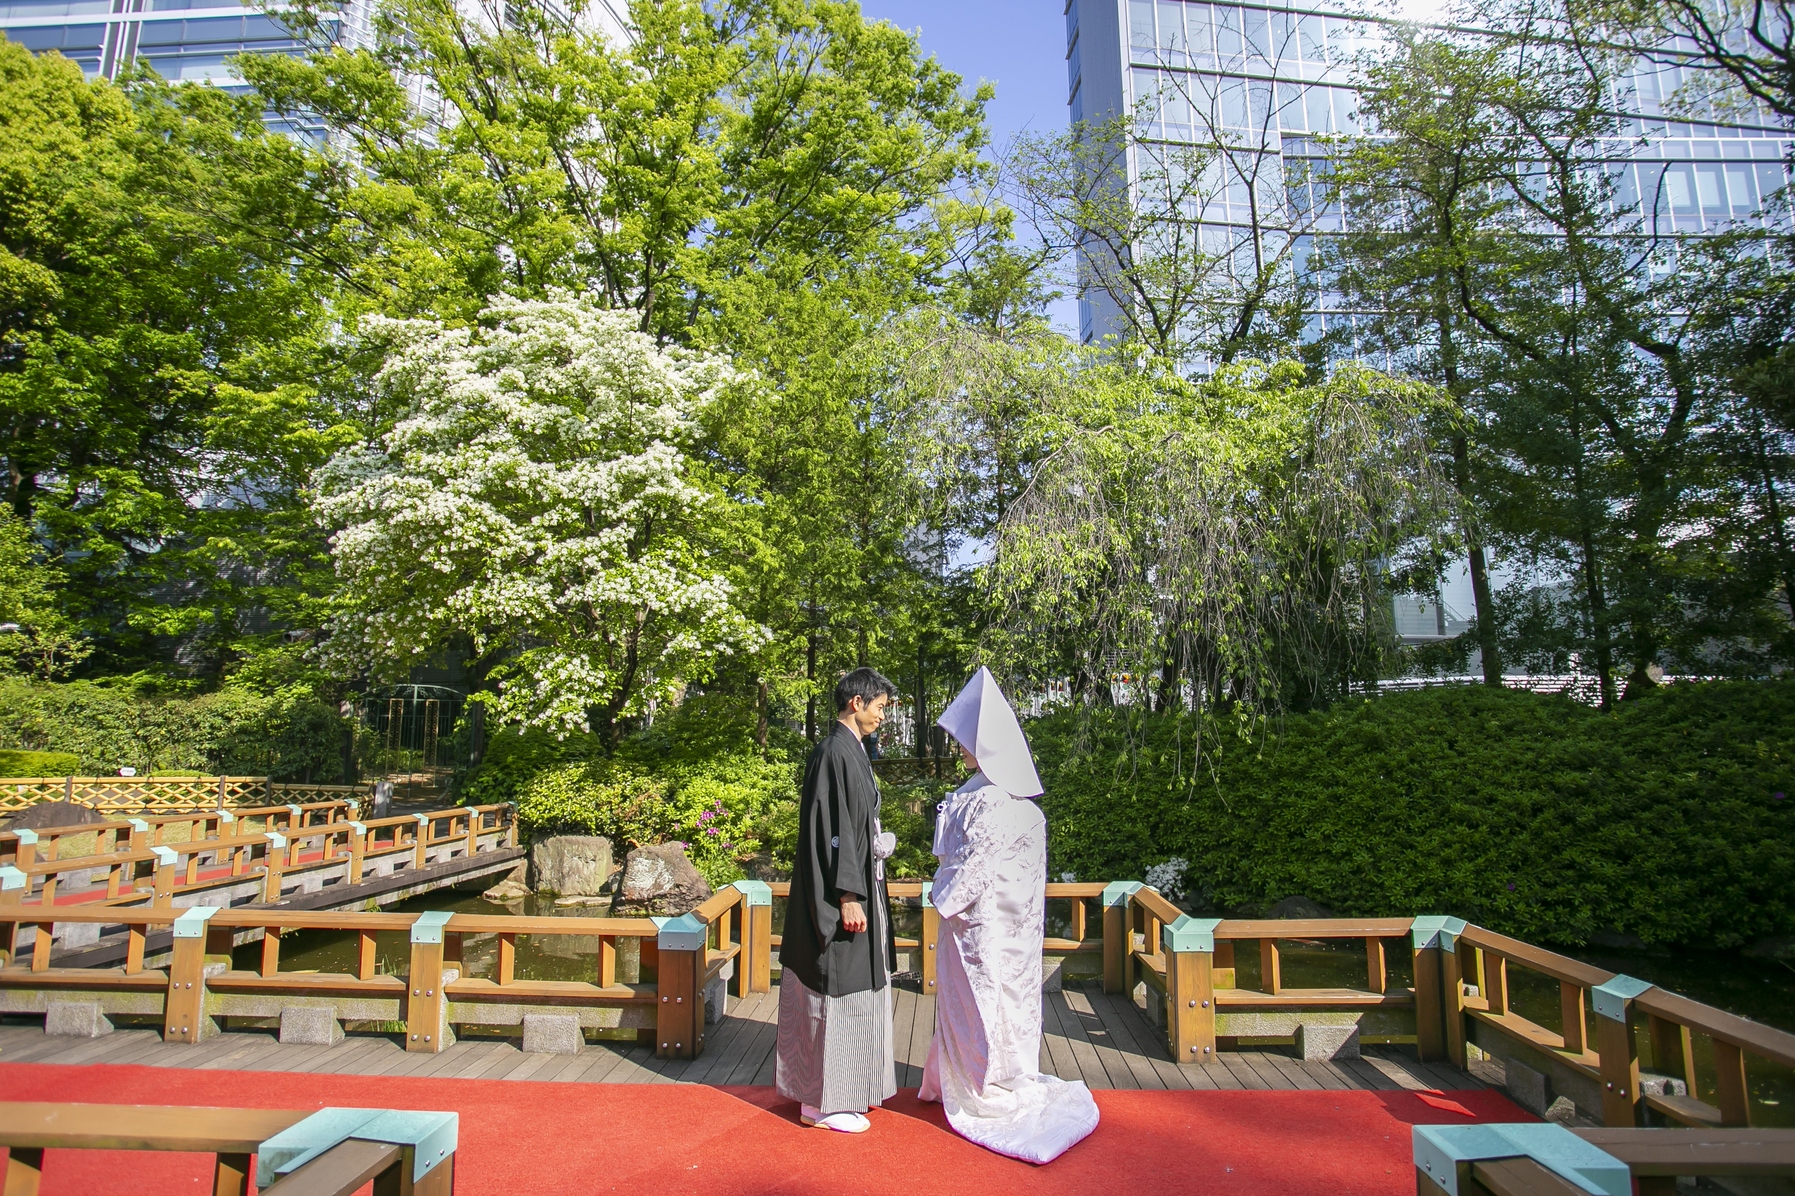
{"type": "Point", "coordinates": [38, 764]}
{"type": "Point", "coordinates": [1532, 815]}
{"type": "Point", "coordinates": [158, 306]}
{"type": "Point", "coordinates": [289, 735]}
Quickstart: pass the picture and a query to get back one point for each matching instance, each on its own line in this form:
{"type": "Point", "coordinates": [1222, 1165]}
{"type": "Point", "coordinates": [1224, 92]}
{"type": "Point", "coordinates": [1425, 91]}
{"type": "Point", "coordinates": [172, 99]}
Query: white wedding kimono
{"type": "Point", "coordinates": [983, 1062]}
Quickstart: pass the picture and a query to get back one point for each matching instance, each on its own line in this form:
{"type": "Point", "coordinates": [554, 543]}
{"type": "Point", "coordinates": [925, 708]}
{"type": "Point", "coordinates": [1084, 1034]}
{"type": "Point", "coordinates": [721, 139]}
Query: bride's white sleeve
{"type": "Point", "coordinates": [969, 841]}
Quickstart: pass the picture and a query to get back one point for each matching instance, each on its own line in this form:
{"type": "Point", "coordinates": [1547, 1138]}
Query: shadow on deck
{"type": "Point", "coordinates": [1090, 1035]}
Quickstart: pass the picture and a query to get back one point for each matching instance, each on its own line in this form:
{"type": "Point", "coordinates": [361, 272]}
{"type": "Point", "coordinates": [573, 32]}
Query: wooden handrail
{"type": "Point", "coordinates": [1313, 928]}
{"type": "Point", "coordinates": [1538, 959]}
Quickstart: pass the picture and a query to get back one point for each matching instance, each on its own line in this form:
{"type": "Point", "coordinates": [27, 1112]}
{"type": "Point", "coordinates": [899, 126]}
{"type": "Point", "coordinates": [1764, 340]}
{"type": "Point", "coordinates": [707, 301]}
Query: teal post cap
{"type": "Point", "coordinates": [275, 839]}
{"type": "Point", "coordinates": [165, 856]}
{"type": "Point", "coordinates": [138, 825]}
{"type": "Point", "coordinates": [226, 816]}
{"type": "Point", "coordinates": [25, 835]}
{"type": "Point", "coordinates": [1189, 934]}
{"type": "Point", "coordinates": [1433, 930]}
{"type": "Point", "coordinates": [11, 878]}
{"type": "Point", "coordinates": [754, 892]}
{"type": "Point", "coordinates": [1610, 999]}
{"type": "Point", "coordinates": [1117, 892]}
{"type": "Point", "coordinates": [192, 922]}
{"type": "Point", "coordinates": [422, 817]}
{"type": "Point", "coordinates": [684, 933]}
{"type": "Point", "coordinates": [429, 926]}
{"type": "Point", "coordinates": [296, 808]}
{"type": "Point", "coordinates": [1439, 1149]}
{"type": "Point", "coordinates": [360, 828]}
{"type": "Point", "coordinates": [928, 894]}
{"type": "Point", "coordinates": [432, 1137]}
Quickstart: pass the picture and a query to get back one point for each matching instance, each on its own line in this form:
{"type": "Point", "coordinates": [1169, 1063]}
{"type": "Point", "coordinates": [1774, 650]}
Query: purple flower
{"type": "Point", "coordinates": [1511, 886]}
{"type": "Point", "coordinates": [1776, 797]}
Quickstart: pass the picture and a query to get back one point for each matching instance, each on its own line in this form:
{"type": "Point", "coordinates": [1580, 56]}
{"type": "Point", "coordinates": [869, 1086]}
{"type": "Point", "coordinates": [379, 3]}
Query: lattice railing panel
{"type": "Point", "coordinates": [165, 795]}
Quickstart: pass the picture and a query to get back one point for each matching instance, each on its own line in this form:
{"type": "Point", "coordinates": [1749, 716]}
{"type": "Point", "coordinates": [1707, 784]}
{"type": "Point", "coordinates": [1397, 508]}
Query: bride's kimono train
{"type": "Point", "coordinates": [990, 891]}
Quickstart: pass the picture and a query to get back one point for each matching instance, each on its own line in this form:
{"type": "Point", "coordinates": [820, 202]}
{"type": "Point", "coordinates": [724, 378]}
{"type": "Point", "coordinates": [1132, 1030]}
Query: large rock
{"type": "Point", "coordinates": [571, 865]}
{"type": "Point", "coordinates": [52, 813]}
{"type": "Point", "coordinates": [659, 881]}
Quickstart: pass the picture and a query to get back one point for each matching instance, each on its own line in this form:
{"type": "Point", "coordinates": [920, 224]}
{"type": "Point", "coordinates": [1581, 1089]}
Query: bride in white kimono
{"type": "Point", "coordinates": [990, 890]}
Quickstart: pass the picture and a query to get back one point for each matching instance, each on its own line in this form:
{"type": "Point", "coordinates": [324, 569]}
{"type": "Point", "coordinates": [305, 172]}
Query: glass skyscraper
{"type": "Point", "coordinates": [1274, 77]}
{"type": "Point", "coordinates": [193, 40]}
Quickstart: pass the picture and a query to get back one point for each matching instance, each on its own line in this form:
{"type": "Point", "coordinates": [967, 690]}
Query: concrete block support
{"type": "Point", "coordinates": [553, 1034]}
{"type": "Point", "coordinates": [1527, 1088]}
{"type": "Point", "coordinates": [301, 1026]}
{"type": "Point", "coordinates": [1315, 1044]}
{"type": "Point", "coordinates": [716, 995]}
{"type": "Point", "coordinates": [76, 1019]}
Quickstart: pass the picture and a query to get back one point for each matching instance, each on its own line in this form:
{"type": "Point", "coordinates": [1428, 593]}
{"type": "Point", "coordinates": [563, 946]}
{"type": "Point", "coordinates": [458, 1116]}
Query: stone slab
{"type": "Point", "coordinates": [76, 1019]}
{"type": "Point", "coordinates": [716, 995]}
{"type": "Point", "coordinates": [1318, 1043]}
{"type": "Point", "coordinates": [309, 1026]}
{"type": "Point", "coordinates": [553, 1034]}
{"type": "Point", "coordinates": [1527, 1088]}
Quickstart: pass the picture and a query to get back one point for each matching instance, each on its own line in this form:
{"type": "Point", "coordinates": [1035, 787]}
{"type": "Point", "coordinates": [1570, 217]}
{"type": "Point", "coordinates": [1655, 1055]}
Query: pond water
{"type": "Point", "coordinates": [1763, 990]}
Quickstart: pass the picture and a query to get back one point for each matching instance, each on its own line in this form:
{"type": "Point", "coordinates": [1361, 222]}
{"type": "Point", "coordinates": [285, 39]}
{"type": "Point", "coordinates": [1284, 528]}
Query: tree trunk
{"type": "Point", "coordinates": [922, 700]}
{"type": "Point", "coordinates": [760, 718]}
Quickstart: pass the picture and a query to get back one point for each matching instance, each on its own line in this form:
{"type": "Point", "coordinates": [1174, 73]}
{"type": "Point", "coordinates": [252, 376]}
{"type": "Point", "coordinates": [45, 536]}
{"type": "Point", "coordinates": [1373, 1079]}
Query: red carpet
{"type": "Point", "coordinates": [546, 1139]}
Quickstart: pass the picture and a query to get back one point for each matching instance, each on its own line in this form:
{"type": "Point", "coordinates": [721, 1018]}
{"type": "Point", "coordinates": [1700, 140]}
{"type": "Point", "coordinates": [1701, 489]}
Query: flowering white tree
{"type": "Point", "coordinates": [535, 497]}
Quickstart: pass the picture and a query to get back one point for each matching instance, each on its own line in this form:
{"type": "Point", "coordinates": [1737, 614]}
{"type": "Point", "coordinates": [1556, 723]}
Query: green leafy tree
{"type": "Point", "coordinates": [158, 355]}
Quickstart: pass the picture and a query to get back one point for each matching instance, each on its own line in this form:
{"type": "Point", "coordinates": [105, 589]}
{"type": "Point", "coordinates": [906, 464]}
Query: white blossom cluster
{"type": "Point", "coordinates": [535, 497]}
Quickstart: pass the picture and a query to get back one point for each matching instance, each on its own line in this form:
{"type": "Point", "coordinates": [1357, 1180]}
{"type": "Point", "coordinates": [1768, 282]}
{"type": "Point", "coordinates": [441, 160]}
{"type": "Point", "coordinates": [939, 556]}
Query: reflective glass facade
{"type": "Point", "coordinates": [1273, 77]}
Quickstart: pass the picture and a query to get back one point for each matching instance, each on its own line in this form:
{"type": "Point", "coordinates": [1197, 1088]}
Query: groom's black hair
{"type": "Point", "coordinates": [865, 684]}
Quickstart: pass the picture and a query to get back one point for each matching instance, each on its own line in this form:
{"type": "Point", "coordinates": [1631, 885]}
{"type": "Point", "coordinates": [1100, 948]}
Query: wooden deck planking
{"type": "Point", "coordinates": [1102, 1039]}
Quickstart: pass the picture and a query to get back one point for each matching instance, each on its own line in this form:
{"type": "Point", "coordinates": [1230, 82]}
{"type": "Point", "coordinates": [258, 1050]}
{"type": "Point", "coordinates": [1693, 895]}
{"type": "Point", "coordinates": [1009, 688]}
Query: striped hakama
{"type": "Point", "coordinates": [834, 1053]}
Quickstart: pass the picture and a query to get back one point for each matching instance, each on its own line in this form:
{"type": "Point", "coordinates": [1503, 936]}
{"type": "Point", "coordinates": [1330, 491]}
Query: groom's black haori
{"type": "Point", "coordinates": [835, 861]}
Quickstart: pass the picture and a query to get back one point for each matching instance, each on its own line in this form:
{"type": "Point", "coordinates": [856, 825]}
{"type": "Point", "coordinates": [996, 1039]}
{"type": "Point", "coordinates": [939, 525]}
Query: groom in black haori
{"type": "Point", "coordinates": [834, 1053]}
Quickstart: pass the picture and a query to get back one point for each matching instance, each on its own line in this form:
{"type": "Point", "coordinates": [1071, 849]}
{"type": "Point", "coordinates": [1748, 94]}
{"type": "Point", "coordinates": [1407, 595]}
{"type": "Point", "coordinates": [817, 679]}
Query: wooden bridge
{"type": "Point", "coordinates": [298, 857]}
{"type": "Point", "coordinates": [1164, 1006]}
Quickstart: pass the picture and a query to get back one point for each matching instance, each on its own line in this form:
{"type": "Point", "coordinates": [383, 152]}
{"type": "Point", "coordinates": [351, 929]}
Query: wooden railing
{"type": "Point", "coordinates": [677, 960]}
{"type": "Point", "coordinates": [232, 1136]}
{"type": "Point", "coordinates": [255, 854]}
{"type": "Point", "coordinates": [1185, 966]}
{"type": "Point", "coordinates": [135, 795]}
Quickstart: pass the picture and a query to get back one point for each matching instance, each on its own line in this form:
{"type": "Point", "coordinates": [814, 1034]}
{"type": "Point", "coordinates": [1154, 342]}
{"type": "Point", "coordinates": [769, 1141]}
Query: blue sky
{"type": "Point", "coordinates": [1018, 46]}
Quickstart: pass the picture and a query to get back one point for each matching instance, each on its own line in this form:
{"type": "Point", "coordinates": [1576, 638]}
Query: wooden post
{"type": "Point", "coordinates": [1116, 937]}
{"type": "Point", "coordinates": [358, 850]}
{"type": "Point", "coordinates": [754, 963]}
{"type": "Point", "coordinates": [164, 877]}
{"type": "Point", "coordinates": [1435, 943]}
{"type": "Point", "coordinates": [273, 865]}
{"type": "Point", "coordinates": [270, 950]}
{"type": "Point", "coordinates": [184, 1012]}
{"type": "Point", "coordinates": [24, 1170]}
{"type": "Point", "coordinates": [1452, 990]}
{"type": "Point", "coordinates": [473, 833]}
{"type": "Point", "coordinates": [1495, 982]}
{"type": "Point", "coordinates": [1574, 1013]}
{"type": "Point", "coordinates": [679, 972]}
{"type": "Point", "coordinates": [1222, 971]}
{"type": "Point", "coordinates": [1377, 970]}
{"type": "Point", "coordinates": [230, 1175]}
{"type": "Point", "coordinates": [1078, 920]}
{"type": "Point", "coordinates": [1189, 944]}
{"type": "Point", "coordinates": [607, 962]}
{"type": "Point", "coordinates": [931, 938]}
{"type": "Point", "coordinates": [421, 852]}
{"type": "Point", "coordinates": [425, 1029]}
{"type": "Point", "coordinates": [364, 955]}
{"type": "Point", "coordinates": [506, 971]}
{"type": "Point", "coordinates": [1271, 967]}
{"type": "Point", "coordinates": [1732, 1092]}
{"type": "Point", "coordinates": [1613, 1003]}
{"type": "Point", "coordinates": [26, 853]}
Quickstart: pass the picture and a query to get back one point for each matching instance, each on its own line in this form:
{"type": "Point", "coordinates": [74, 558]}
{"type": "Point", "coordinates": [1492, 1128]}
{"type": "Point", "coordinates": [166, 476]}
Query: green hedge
{"type": "Point", "coordinates": [290, 734]}
{"type": "Point", "coordinates": [39, 764]}
{"type": "Point", "coordinates": [1536, 816]}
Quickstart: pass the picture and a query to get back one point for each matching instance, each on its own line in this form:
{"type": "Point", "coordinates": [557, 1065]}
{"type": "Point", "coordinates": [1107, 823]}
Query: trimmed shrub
{"type": "Point", "coordinates": [39, 764]}
{"type": "Point", "coordinates": [289, 734]}
{"type": "Point", "coordinates": [1533, 815]}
